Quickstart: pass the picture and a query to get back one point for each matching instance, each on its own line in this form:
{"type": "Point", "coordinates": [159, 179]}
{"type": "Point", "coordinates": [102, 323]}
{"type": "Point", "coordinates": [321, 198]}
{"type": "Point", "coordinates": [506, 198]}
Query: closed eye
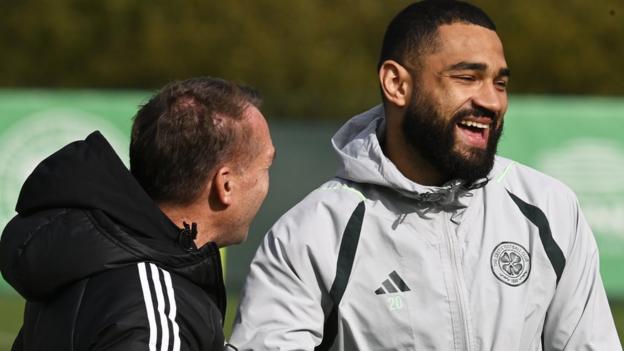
{"type": "Point", "coordinates": [501, 84]}
{"type": "Point", "coordinates": [465, 78]}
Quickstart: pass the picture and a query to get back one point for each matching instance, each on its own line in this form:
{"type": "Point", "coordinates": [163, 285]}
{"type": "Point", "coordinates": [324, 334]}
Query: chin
{"type": "Point", "coordinates": [470, 165]}
{"type": "Point", "coordinates": [238, 238]}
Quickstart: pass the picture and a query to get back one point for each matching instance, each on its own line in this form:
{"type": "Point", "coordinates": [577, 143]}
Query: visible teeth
{"type": "Point", "coordinates": [475, 124]}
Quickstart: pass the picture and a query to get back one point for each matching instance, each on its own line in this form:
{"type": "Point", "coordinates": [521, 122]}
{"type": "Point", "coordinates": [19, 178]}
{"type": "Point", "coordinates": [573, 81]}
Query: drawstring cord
{"type": "Point", "coordinates": [445, 199]}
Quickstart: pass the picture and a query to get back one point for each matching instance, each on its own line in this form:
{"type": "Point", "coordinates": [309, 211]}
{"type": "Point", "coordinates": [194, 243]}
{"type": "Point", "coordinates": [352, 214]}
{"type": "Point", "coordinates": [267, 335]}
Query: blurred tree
{"type": "Point", "coordinates": [309, 58]}
{"type": "Point", "coordinates": [562, 47]}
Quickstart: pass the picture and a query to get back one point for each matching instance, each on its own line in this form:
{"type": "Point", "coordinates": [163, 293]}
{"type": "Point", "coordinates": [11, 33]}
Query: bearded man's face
{"type": "Point", "coordinates": [459, 98]}
{"type": "Point", "coordinates": [434, 136]}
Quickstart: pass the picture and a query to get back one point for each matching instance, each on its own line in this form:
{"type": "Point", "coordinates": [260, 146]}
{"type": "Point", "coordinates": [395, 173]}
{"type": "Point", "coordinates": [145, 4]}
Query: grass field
{"type": "Point", "coordinates": [11, 308]}
{"type": "Point", "coordinates": [11, 317]}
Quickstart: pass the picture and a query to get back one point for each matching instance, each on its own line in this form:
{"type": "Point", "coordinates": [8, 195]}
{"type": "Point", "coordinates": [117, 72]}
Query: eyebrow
{"type": "Point", "coordinates": [476, 66]}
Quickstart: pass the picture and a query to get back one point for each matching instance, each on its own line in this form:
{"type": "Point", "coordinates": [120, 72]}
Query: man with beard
{"type": "Point", "coordinates": [426, 240]}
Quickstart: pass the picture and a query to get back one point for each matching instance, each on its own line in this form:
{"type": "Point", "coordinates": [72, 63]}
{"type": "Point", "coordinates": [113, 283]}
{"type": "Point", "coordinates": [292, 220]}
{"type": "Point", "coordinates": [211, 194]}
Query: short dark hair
{"type": "Point", "coordinates": [413, 31]}
{"type": "Point", "coordinates": [184, 131]}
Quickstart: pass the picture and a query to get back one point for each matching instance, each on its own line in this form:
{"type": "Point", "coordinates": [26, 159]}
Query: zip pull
{"type": "Point", "coordinates": [187, 236]}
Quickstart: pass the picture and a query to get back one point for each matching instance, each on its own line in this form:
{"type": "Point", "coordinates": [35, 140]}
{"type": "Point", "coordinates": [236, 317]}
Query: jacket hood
{"type": "Point", "coordinates": [363, 161]}
{"type": "Point", "coordinates": [89, 174]}
{"type": "Point", "coordinates": [81, 212]}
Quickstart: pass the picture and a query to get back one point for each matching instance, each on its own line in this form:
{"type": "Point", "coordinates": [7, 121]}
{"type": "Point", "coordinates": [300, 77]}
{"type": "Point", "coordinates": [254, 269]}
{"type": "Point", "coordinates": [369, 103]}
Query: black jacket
{"type": "Point", "coordinates": [101, 267]}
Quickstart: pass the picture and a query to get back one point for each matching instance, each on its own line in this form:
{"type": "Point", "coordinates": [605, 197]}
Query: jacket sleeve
{"type": "Point", "coordinates": [579, 317]}
{"type": "Point", "coordinates": [285, 297]}
{"type": "Point", "coordinates": [129, 336]}
{"type": "Point", "coordinates": [124, 336]}
{"type": "Point", "coordinates": [144, 307]}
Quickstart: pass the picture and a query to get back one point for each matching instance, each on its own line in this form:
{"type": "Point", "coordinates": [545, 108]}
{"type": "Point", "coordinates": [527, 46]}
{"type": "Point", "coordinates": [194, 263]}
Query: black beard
{"type": "Point", "coordinates": [433, 139]}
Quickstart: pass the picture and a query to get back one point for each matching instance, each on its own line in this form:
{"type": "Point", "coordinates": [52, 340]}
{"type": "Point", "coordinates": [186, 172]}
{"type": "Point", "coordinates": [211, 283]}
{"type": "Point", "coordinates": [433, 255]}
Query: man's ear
{"type": "Point", "coordinates": [396, 83]}
{"type": "Point", "coordinates": [223, 185]}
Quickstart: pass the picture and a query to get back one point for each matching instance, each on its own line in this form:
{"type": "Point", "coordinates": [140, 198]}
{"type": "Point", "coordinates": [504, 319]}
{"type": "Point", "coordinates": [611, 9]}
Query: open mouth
{"type": "Point", "coordinates": [475, 132]}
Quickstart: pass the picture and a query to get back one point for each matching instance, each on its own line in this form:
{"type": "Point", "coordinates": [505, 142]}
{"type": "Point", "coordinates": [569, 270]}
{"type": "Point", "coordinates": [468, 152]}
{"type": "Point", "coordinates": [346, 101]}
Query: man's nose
{"type": "Point", "coordinates": [491, 98]}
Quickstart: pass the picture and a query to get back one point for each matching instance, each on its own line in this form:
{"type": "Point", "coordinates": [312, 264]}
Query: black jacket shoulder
{"type": "Point", "coordinates": [144, 304]}
{"type": "Point", "coordinates": [101, 267]}
{"type": "Point", "coordinates": [125, 309]}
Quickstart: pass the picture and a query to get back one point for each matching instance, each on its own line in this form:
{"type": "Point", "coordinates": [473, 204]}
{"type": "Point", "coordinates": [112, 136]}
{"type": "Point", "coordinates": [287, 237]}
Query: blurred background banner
{"type": "Point", "coordinates": [576, 140]}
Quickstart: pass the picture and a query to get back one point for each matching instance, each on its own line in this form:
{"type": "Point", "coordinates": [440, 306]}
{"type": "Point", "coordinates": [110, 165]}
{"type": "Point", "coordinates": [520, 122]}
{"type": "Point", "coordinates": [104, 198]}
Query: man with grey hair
{"type": "Point", "coordinates": [111, 259]}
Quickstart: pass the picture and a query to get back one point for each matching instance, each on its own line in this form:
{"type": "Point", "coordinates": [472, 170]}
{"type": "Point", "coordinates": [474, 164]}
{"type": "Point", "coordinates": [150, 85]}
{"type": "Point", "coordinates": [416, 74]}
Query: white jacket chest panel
{"type": "Point", "coordinates": [426, 315]}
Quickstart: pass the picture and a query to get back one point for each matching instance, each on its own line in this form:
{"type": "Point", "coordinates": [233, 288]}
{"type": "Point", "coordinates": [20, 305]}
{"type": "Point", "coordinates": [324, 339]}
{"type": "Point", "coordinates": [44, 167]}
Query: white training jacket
{"type": "Point", "coordinates": [374, 261]}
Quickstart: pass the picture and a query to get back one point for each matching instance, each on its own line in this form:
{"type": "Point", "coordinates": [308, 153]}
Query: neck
{"type": "Point", "coordinates": [407, 160]}
{"type": "Point", "coordinates": [191, 214]}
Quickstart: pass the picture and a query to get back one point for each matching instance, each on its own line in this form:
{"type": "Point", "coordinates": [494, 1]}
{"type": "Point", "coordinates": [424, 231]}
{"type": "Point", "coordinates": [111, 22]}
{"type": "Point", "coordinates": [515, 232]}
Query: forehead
{"type": "Point", "coordinates": [254, 118]}
{"type": "Point", "coordinates": [258, 126]}
{"type": "Point", "coordinates": [469, 43]}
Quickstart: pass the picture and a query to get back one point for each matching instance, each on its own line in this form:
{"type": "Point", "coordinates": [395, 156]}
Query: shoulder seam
{"type": "Point", "coordinates": [344, 265]}
{"type": "Point", "coordinates": [77, 312]}
{"type": "Point", "coordinates": [536, 216]}
{"type": "Point", "coordinates": [345, 187]}
{"type": "Point", "coordinates": [501, 176]}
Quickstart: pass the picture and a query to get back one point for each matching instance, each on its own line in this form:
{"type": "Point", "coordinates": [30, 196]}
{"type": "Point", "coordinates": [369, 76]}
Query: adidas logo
{"type": "Point", "coordinates": [392, 285]}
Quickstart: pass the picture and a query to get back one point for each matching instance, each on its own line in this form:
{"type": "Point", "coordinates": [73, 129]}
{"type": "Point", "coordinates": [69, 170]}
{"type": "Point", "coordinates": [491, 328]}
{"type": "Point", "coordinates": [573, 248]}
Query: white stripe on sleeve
{"type": "Point", "coordinates": [149, 306]}
{"type": "Point", "coordinates": [161, 308]}
{"type": "Point", "coordinates": [172, 311]}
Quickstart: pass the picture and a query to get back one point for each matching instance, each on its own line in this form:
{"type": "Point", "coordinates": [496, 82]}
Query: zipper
{"type": "Point", "coordinates": [458, 283]}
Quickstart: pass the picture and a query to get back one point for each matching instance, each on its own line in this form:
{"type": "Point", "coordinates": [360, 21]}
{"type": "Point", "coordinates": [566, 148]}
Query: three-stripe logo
{"type": "Point", "coordinates": [160, 306]}
{"type": "Point", "coordinates": [392, 285]}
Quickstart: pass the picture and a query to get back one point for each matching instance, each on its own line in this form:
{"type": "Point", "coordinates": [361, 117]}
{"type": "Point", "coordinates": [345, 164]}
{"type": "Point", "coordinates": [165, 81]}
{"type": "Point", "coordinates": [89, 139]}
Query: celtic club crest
{"type": "Point", "coordinates": [511, 263]}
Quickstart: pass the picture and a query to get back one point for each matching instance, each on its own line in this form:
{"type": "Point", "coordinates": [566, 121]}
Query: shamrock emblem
{"type": "Point", "coordinates": [511, 263]}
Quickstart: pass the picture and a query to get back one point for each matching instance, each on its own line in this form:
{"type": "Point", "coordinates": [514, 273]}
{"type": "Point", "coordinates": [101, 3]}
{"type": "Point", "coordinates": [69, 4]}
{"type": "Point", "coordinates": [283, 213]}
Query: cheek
{"type": "Point", "coordinates": [504, 104]}
{"type": "Point", "coordinates": [449, 101]}
{"type": "Point", "coordinates": [459, 102]}
{"type": "Point", "coordinates": [265, 185]}
{"type": "Point", "coordinates": [260, 185]}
